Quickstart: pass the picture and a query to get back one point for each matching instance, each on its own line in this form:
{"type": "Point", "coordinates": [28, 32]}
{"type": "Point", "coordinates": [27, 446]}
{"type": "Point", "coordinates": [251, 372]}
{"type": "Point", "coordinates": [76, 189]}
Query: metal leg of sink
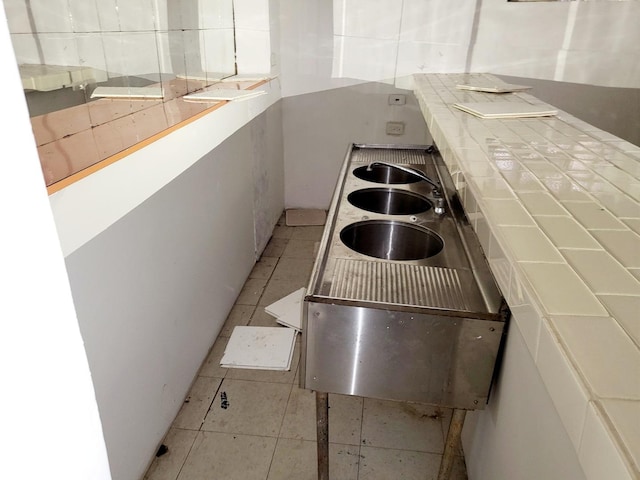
{"type": "Point", "coordinates": [451, 444]}
{"type": "Point", "coordinates": [322, 426]}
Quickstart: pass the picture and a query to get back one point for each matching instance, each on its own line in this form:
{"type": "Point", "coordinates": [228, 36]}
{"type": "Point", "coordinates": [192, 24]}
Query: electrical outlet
{"type": "Point", "coordinates": [395, 128]}
{"type": "Point", "coordinates": [397, 99]}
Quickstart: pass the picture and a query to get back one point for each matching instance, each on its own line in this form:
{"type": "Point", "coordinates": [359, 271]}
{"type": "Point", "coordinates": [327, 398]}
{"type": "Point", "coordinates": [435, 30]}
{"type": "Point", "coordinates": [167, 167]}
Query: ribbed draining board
{"type": "Point", "coordinates": [368, 155]}
{"type": "Point", "coordinates": [399, 284]}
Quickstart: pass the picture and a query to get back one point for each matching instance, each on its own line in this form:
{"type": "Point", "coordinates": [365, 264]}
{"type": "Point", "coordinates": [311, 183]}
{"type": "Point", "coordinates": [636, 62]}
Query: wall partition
{"type": "Point", "coordinates": [102, 75]}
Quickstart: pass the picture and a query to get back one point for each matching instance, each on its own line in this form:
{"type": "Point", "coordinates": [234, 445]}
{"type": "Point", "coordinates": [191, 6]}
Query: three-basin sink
{"type": "Point", "coordinates": [391, 240]}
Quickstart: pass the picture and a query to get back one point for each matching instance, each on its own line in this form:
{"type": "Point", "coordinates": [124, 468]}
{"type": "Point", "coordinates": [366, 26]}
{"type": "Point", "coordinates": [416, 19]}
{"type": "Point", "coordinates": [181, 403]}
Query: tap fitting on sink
{"type": "Point", "coordinates": [437, 192]}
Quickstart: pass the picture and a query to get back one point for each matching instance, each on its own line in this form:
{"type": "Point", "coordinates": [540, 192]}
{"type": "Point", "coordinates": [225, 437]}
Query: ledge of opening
{"type": "Point", "coordinates": [75, 156]}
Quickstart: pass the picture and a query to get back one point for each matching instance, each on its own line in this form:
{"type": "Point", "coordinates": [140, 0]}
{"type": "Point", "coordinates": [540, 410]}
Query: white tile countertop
{"type": "Point", "coordinates": [556, 205]}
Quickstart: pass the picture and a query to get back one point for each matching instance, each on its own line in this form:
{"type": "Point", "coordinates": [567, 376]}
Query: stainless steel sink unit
{"type": "Point", "coordinates": [401, 304]}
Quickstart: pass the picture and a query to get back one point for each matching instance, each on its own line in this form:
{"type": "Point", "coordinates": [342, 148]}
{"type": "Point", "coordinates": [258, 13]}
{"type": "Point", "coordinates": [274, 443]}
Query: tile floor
{"type": "Point", "coordinates": [267, 431]}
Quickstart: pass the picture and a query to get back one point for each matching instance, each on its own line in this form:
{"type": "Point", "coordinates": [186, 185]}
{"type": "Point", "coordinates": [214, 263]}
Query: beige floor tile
{"type": "Point", "coordinates": [167, 466]}
{"type": "Point", "coordinates": [345, 417]}
{"type": "Point", "coordinates": [228, 456]}
{"type": "Point", "coordinates": [252, 291]}
{"type": "Point", "coordinates": [295, 269]}
{"type": "Point", "coordinates": [297, 460]}
{"type": "Point", "coordinates": [385, 464]}
{"type": "Point", "coordinates": [254, 408]}
{"type": "Point", "coordinates": [211, 366]}
{"type": "Point", "coordinates": [282, 231]}
{"type": "Point", "coordinates": [277, 289]}
{"type": "Point", "coordinates": [239, 316]}
{"type": "Point", "coordinates": [261, 318]}
{"type": "Point", "coordinates": [197, 403]}
{"type": "Point", "coordinates": [401, 425]}
{"type": "Point", "coordinates": [308, 233]}
{"type": "Point", "coordinates": [300, 248]}
{"type": "Point", "coordinates": [264, 267]}
{"type": "Point", "coordinates": [274, 376]}
{"type": "Point", "coordinates": [275, 247]}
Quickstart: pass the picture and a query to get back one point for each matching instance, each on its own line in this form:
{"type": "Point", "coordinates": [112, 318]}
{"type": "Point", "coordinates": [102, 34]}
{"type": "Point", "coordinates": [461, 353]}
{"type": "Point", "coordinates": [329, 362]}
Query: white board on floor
{"type": "Point", "coordinates": [262, 348]}
{"type": "Point", "coordinates": [288, 310]}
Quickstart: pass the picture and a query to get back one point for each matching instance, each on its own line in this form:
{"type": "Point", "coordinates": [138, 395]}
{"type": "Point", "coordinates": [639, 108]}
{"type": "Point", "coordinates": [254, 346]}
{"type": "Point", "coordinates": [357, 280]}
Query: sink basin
{"type": "Point", "coordinates": [384, 174]}
{"type": "Point", "coordinates": [391, 240]}
{"type": "Point", "coordinates": [388, 201]}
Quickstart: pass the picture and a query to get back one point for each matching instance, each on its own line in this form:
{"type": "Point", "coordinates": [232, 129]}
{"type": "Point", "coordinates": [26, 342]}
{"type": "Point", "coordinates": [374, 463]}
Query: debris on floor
{"type": "Point", "coordinates": [297, 217]}
{"type": "Point", "coordinates": [262, 348]}
{"type": "Point", "coordinates": [288, 310]}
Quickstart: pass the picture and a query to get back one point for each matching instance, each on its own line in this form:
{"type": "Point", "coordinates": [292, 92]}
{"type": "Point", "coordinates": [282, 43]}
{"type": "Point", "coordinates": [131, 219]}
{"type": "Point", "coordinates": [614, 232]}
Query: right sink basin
{"type": "Point", "coordinates": [391, 240]}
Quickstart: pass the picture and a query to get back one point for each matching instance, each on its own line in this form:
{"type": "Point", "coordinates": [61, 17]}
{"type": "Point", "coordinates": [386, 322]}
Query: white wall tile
{"type": "Point", "coordinates": [447, 22]}
{"type": "Point", "coordinates": [528, 244]}
{"type": "Point", "coordinates": [218, 56]}
{"type": "Point", "coordinates": [17, 16]}
{"type": "Point", "coordinates": [51, 16]}
{"type": "Point", "coordinates": [602, 272]}
{"type": "Point", "coordinates": [218, 14]}
{"type": "Point", "coordinates": [624, 415]}
{"type": "Point", "coordinates": [624, 245]}
{"type": "Point", "coordinates": [378, 19]}
{"type": "Point", "coordinates": [625, 310]}
{"type": "Point", "coordinates": [26, 47]}
{"type": "Point", "coordinates": [364, 58]}
{"type": "Point", "coordinates": [507, 212]}
{"type": "Point", "coordinates": [91, 53]}
{"type": "Point", "coordinates": [560, 290]}
{"type": "Point", "coordinates": [565, 232]}
{"type": "Point", "coordinates": [605, 355]}
{"type": "Point", "coordinates": [251, 14]}
{"type": "Point", "coordinates": [84, 16]}
{"type": "Point", "coordinates": [422, 57]}
{"type": "Point", "coordinates": [616, 26]}
{"type": "Point", "coordinates": [598, 454]}
{"type": "Point", "coordinates": [58, 48]}
{"type": "Point", "coordinates": [108, 15]}
{"type": "Point", "coordinates": [568, 393]}
{"type": "Point", "coordinates": [253, 51]}
{"type": "Point", "coordinates": [136, 15]}
{"type": "Point", "coordinates": [119, 47]}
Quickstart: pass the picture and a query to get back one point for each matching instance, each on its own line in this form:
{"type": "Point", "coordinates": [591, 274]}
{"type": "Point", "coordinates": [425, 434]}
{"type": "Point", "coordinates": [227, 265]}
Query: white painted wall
{"type": "Point", "coordinates": [115, 38]}
{"type": "Point", "coordinates": [327, 45]}
{"type": "Point", "coordinates": [48, 411]}
{"type": "Point", "coordinates": [153, 289]}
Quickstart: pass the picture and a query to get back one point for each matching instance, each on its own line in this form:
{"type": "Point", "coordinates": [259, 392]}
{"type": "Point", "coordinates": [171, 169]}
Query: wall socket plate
{"type": "Point", "coordinates": [397, 99]}
{"type": "Point", "coordinates": [395, 128]}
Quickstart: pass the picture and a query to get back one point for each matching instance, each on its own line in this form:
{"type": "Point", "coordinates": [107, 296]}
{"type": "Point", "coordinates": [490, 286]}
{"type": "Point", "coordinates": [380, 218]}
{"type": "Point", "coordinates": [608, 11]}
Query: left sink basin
{"type": "Point", "coordinates": [391, 240]}
{"type": "Point", "coordinates": [388, 201]}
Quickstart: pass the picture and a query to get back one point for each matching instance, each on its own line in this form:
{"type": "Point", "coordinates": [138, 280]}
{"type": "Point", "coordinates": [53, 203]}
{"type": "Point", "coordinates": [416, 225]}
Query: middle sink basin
{"type": "Point", "coordinates": [389, 201]}
{"type": "Point", "coordinates": [391, 240]}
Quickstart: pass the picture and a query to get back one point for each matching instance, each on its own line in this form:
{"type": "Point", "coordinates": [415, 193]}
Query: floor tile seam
{"type": "Point", "coordinates": [315, 440]}
{"type": "Point", "coordinates": [439, 454]}
{"type": "Point", "coordinates": [186, 457]}
{"type": "Point", "coordinates": [253, 310]}
{"type": "Point", "coordinates": [284, 415]}
{"type": "Point", "coordinates": [261, 381]}
{"type": "Point", "coordinates": [239, 434]}
{"type": "Point", "coordinates": [266, 285]}
{"type": "Point", "coordinates": [213, 399]}
{"type": "Point", "coordinates": [360, 439]}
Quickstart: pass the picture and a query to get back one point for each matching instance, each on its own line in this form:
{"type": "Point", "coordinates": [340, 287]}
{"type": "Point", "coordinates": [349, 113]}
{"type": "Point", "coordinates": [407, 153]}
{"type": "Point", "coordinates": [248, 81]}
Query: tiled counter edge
{"type": "Point", "coordinates": [556, 205]}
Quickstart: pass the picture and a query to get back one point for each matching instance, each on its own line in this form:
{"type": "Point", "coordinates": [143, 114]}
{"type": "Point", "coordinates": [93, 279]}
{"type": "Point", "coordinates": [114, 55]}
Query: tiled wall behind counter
{"type": "Point", "coordinates": [556, 205]}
